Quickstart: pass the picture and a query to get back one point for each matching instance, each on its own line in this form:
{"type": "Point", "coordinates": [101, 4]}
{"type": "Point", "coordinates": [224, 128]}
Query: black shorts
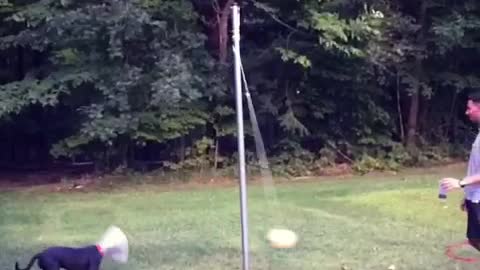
{"type": "Point", "coordinates": [473, 219]}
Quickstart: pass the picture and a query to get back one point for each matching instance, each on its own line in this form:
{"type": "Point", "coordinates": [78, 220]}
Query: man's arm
{"type": "Point", "coordinates": [469, 180]}
{"type": "Point", "coordinates": [453, 183]}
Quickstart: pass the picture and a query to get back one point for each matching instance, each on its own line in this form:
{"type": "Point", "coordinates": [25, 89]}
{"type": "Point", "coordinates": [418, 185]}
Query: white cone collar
{"type": "Point", "coordinates": [114, 244]}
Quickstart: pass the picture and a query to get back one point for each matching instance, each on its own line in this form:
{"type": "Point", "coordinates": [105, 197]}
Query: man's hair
{"type": "Point", "coordinates": [474, 95]}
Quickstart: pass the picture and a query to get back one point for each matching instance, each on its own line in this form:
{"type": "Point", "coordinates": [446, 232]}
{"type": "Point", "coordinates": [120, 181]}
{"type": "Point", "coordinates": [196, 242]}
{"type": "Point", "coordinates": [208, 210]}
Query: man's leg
{"type": "Point", "coordinates": [475, 243]}
{"type": "Point", "coordinates": [473, 223]}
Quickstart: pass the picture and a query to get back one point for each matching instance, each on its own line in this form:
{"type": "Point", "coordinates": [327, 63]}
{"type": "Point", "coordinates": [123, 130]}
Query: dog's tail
{"type": "Point", "coordinates": [30, 264]}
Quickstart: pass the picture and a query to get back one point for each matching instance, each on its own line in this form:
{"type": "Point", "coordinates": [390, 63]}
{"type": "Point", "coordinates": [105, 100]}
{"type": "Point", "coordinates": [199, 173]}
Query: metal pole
{"type": "Point", "coordinates": [240, 136]}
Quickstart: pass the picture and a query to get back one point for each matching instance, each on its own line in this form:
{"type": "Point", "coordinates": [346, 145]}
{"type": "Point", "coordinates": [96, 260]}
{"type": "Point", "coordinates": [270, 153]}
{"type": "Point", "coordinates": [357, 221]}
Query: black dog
{"type": "Point", "coordinates": [55, 258]}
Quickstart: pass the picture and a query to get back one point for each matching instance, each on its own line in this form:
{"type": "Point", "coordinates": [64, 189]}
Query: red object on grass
{"type": "Point", "coordinates": [452, 247]}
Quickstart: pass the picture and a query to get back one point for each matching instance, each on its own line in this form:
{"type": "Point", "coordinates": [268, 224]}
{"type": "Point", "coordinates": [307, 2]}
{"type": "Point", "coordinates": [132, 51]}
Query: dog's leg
{"type": "Point", "coordinates": [94, 264]}
{"type": "Point", "coordinates": [48, 265]}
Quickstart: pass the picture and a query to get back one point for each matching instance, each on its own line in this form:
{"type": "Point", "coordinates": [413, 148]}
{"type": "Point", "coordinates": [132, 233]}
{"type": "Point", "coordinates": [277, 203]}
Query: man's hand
{"type": "Point", "coordinates": [450, 184]}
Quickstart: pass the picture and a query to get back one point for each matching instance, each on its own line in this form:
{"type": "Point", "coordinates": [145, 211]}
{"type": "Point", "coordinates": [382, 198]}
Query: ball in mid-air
{"type": "Point", "coordinates": [282, 238]}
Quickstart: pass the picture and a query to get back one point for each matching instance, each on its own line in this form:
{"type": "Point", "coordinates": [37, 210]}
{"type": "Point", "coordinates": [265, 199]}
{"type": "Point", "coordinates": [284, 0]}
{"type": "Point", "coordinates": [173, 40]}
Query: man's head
{"type": "Point", "coordinates": [473, 106]}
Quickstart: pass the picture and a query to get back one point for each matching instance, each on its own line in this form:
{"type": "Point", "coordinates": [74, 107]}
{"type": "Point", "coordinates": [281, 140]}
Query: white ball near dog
{"type": "Point", "coordinates": [282, 238]}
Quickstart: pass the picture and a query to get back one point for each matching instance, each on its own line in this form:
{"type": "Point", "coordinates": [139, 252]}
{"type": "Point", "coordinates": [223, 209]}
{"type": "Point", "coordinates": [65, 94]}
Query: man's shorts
{"type": "Point", "coordinates": [473, 222]}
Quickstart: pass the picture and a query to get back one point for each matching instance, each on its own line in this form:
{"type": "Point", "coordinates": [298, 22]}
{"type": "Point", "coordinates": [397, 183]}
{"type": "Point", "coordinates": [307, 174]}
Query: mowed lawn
{"type": "Point", "coordinates": [361, 223]}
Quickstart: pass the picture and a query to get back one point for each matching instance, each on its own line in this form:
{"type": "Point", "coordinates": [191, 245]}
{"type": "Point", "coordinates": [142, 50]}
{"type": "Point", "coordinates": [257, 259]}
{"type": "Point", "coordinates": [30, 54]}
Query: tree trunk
{"type": "Point", "coordinates": [399, 110]}
{"type": "Point", "coordinates": [20, 63]}
{"type": "Point", "coordinates": [182, 149]}
{"type": "Point", "coordinates": [455, 126]}
{"type": "Point", "coordinates": [412, 126]}
{"type": "Point", "coordinates": [215, 158]}
{"type": "Point", "coordinates": [452, 127]}
{"type": "Point", "coordinates": [215, 15]}
{"type": "Point", "coordinates": [413, 119]}
{"type": "Point", "coordinates": [423, 118]}
{"type": "Point", "coordinates": [223, 32]}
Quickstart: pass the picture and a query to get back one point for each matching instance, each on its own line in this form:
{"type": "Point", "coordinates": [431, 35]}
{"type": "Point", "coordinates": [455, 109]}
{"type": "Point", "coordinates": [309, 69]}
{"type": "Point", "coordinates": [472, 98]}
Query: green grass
{"type": "Point", "coordinates": [361, 223]}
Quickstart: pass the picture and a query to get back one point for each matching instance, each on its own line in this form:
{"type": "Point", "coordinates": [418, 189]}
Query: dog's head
{"type": "Point", "coordinates": [114, 245]}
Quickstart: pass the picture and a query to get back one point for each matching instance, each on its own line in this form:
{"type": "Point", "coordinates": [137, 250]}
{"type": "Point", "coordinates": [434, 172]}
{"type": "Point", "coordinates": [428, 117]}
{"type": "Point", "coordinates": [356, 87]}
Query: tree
{"type": "Point", "coordinates": [128, 75]}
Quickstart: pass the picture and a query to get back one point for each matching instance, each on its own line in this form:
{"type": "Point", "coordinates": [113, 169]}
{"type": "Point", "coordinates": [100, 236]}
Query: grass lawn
{"type": "Point", "coordinates": [362, 223]}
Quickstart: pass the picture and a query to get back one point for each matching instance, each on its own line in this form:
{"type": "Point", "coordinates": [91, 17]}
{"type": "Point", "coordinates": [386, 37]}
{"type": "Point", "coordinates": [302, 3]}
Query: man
{"type": "Point", "coordinates": [471, 183]}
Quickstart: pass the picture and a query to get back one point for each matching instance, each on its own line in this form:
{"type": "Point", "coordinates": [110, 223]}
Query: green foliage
{"type": "Point", "coordinates": [367, 164]}
{"type": "Point", "coordinates": [288, 55]}
{"type": "Point", "coordinates": [293, 160]}
{"type": "Point", "coordinates": [197, 158]}
{"type": "Point", "coordinates": [455, 31]}
{"type": "Point", "coordinates": [331, 81]}
{"type": "Point", "coordinates": [396, 157]}
{"type": "Point", "coordinates": [145, 86]}
{"type": "Point", "coordinates": [5, 6]}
